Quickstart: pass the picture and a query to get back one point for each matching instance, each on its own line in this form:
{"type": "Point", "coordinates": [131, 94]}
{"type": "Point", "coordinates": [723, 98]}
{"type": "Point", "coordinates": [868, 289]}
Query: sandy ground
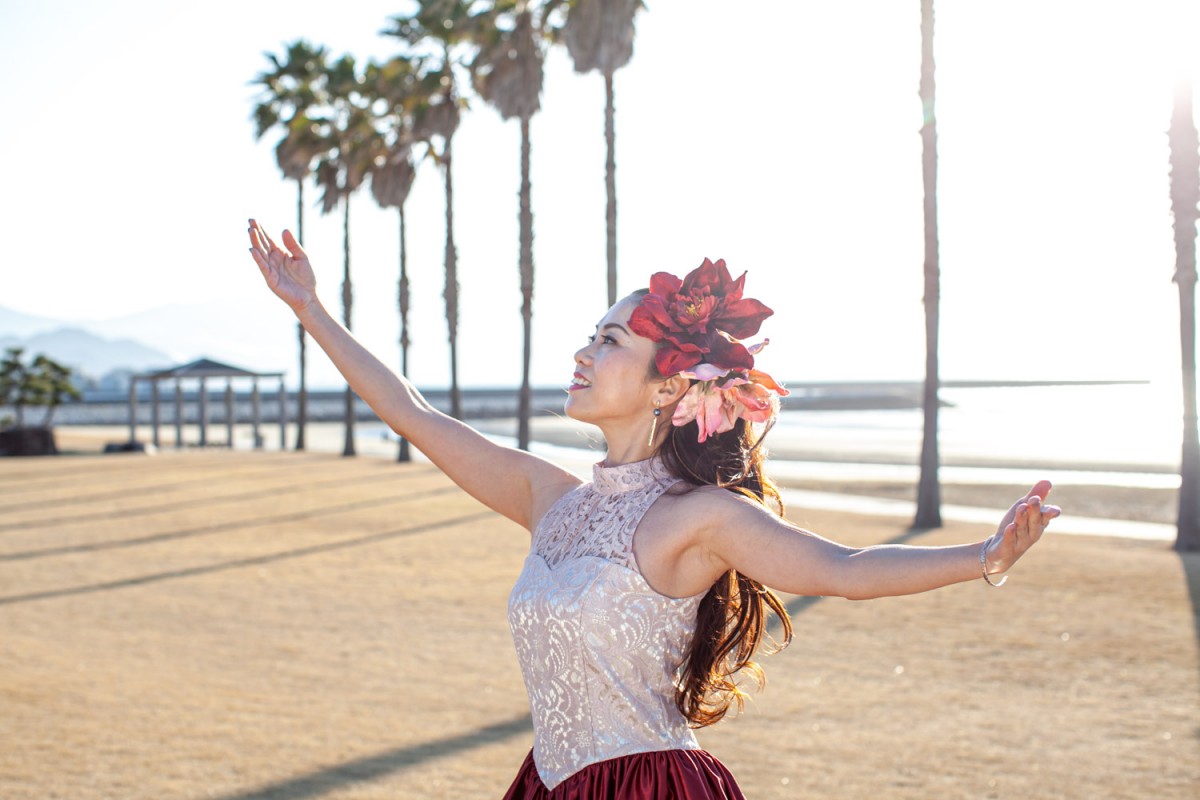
{"type": "Point", "coordinates": [234, 625]}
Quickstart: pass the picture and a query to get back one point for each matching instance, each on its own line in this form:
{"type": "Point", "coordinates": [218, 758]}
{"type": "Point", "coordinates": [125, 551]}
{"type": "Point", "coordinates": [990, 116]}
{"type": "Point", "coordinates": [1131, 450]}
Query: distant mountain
{"type": "Point", "coordinates": [87, 353]}
{"type": "Point", "coordinates": [254, 334]}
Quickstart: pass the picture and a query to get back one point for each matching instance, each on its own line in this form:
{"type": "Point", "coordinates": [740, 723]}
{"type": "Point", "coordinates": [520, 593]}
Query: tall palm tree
{"type": "Point", "coordinates": [599, 36]}
{"type": "Point", "coordinates": [440, 34]}
{"type": "Point", "coordinates": [508, 74]}
{"type": "Point", "coordinates": [929, 495]}
{"type": "Point", "coordinates": [394, 83]}
{"type": "Point", "coordinates": [293, 89]}
{"type": "Point", "coordinates": [1185, 193]}
{"type": "Point", "coordinates": [352, 146]}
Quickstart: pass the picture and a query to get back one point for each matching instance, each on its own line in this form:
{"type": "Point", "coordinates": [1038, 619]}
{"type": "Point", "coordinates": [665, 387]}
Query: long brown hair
{"type": "Point", "coordinates": [732, 617]}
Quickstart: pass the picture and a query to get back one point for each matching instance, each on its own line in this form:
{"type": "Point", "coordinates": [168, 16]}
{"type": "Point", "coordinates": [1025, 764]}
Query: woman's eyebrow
{"type": "Point", "coordinates": [618, 326]}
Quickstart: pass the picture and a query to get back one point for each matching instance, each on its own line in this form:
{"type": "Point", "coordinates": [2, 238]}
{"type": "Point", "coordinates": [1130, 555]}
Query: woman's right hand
{"type": "Point", "coordinates": [287, 272]}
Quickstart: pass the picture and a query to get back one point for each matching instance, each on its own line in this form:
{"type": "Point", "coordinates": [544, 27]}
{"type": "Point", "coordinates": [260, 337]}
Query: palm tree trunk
{"type": "Point", "coordinates": [610, 182]}
{"type": "Point", "coordinates": [347, 301]}
{"type": "Point", "coordinates": [1185, 192]}
{"type": "Point", "coordinates": [403, 454]}
{"type": "Point", "coordinates": [302, 399]}
{"type": "Point", "coordinates": [1187, 537]}
{"type": "Point", "coordinates": [524, 401]}
{"type": "Point", "coordinates": [929, 500]}
{"type": "Point", "coordinates": [451, 292]}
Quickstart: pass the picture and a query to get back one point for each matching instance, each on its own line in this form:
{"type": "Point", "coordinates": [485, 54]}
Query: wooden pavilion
{"type": "Point", "coordinates": [200, 372]}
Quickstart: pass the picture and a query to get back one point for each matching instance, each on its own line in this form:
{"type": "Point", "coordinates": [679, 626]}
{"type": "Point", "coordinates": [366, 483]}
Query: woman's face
{"type": "Point", "coordinates": [613, 372]}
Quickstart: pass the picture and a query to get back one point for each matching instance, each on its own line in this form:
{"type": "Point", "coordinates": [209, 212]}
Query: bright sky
{"type": "Point", "coordinates": [781, 136]}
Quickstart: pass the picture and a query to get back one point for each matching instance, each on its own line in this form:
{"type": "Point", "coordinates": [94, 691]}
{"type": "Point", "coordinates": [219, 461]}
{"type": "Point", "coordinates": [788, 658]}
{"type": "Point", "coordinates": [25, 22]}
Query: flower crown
{"type": "Point", "coordinates": [698, 323]}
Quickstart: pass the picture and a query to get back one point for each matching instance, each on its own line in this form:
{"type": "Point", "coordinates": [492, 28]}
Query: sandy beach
{"type": "Point", "coordinates": [236, 625]}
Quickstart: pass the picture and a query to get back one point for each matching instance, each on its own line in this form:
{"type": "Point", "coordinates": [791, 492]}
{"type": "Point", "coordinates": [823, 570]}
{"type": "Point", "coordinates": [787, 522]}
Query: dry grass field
{"type": "Point", "coordinates": [246, 626]}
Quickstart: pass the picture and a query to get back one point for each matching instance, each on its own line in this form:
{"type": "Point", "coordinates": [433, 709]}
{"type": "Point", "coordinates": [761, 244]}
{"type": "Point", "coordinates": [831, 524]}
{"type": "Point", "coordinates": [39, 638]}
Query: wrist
{"type": "Point", "coordinates": [310, 308]}
{"type": "Point", "coordinates": [988, 567]}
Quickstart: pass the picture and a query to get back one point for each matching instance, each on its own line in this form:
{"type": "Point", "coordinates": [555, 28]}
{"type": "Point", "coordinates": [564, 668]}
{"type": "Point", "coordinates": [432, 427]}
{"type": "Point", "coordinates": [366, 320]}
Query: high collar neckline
{"type": "Point", "coordinates": [628, 477]}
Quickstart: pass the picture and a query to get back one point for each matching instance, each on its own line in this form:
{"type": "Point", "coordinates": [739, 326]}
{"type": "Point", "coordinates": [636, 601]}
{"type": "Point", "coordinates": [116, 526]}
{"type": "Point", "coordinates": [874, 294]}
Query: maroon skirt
{"type": "Point", "coordinates": [661, 775]}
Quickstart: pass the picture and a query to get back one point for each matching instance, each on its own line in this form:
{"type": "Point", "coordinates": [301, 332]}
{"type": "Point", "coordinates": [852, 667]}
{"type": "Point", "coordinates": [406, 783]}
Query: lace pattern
{"type": "Point", "coordinates": [599, 648]}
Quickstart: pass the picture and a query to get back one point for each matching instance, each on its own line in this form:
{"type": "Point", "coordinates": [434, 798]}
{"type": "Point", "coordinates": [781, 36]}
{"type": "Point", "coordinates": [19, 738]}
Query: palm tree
{"type": "Point", "coordinates": [929, 495]}
{"type": "Point", "coordinates": [599, 36]}
{"type": "Point", "coordinates": [1185, 193]}
{"type": "Point", "coordinates": [351, 148]}
{"type": "Point", "coordinates": [292, 90]}
{"type": "Point", "coordinates": [391, 181]}
{"type": "Point", "coordinates": [508, 74]}
{"type": "Point", "coordinates": [440, 35]}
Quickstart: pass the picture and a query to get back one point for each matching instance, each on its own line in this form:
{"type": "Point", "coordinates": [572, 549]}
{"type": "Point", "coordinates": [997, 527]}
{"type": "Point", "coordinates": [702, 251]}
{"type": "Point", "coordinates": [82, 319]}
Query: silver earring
{"type": "Point", "coordinates": [654, 426]}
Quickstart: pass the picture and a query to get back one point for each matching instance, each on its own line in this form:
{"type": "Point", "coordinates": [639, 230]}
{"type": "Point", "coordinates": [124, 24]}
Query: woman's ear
{"type": "Point", "coordinates": [672, 390]}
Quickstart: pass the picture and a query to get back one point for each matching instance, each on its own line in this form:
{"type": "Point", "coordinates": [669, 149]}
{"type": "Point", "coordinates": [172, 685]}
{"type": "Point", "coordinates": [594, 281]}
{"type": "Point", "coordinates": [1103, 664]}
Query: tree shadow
{"type": "Point", "coordinates": [175, 505]}
{"type": "Point", "coordinates": [1191, 573]}
{"type": "Point", "coordinates": [222, 527]}
{"type": "Point", "coordinates": [191, 572]}
{"type": "Point", "coordinates": [215, 474]}
{"type": "Point", "coordinates": [369, 768]}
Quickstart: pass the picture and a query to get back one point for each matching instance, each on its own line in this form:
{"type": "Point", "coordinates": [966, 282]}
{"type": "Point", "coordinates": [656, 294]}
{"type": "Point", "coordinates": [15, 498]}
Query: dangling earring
{"type": "Point", "coordinates": [654, 426]}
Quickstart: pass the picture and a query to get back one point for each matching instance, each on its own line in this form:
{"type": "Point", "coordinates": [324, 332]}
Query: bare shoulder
{"type": "Point", "coordinates": [696, 513]}
{"type": "Point", "coordinates": [711, 503]}
{"type": "Point", "coordinates": [550, 486]}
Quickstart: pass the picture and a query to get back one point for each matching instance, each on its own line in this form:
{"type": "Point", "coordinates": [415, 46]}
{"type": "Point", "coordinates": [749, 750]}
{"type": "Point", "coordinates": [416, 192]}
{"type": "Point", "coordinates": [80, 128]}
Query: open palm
{"type": "Point", "coordinates": [287, 272]}
{"type": "Point", "coordinates": [1021, 527]}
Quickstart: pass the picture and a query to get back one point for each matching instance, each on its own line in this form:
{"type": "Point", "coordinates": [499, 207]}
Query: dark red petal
{"type": "Point", "coordinates": [664, 284]}
{"type": "Point", "coordinates": [642, 322]}
{"type": "Point", "coordinates": [688, 343]}
{"type": "Point", "coordinates": [733, 292]}
{"type": "Point", "coordinates": [704, 276]}
{"type": "Point", "coordinates": [669, 360]}
{"type": "Point", "coordinates": [728, 355]}
{"type": "Point", "coordinates": [742, 318]}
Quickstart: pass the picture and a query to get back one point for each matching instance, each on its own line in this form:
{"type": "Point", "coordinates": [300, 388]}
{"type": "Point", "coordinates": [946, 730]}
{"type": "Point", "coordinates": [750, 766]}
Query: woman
{"type": "Point", "coordinates": [626, 641]}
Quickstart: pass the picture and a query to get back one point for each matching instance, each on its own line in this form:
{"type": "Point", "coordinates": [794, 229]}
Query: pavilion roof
{"type": "Point", "coordinates": [206, 368]}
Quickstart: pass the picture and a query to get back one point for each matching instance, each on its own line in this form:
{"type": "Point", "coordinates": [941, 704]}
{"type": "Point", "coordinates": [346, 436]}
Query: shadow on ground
{"type": "Point", "coordinates": [190, 572]}
{"type": "Point", "coordinates": [369, 768]}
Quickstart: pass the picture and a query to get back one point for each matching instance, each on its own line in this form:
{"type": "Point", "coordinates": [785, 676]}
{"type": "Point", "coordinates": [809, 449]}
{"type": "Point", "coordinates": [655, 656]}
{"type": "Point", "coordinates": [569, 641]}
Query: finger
{"type": "Point", "coordinates": [293, 246]}
{"type": "Point", "coordinates": [1036, 523]}
{"type": "Point", "coordinates": [1039, 490]}
{"type": "Point", "coordinates": [259, 238]}
{"type": "Point", "coordinates": [259, 259]}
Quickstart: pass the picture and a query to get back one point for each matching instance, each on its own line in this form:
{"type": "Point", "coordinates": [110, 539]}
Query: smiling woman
{"type": "Point", "coordinates": [643, 593]}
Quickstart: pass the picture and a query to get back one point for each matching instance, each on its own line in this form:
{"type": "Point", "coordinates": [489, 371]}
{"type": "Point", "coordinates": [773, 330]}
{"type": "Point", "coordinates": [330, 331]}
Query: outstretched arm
{"type": "Point", "coordinates": [743, 535]}
{"type": "Point", "coordinates": [514, 483]}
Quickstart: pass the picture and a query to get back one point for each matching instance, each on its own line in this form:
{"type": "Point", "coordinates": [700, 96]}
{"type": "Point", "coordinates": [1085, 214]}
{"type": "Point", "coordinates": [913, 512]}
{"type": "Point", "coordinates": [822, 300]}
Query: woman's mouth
{"type": "Point", "coordinates": [578, 382]}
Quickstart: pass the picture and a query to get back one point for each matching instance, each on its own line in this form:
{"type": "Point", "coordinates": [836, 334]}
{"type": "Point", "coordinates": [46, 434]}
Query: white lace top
{"type": "Point", "coordinates": [598, 647]}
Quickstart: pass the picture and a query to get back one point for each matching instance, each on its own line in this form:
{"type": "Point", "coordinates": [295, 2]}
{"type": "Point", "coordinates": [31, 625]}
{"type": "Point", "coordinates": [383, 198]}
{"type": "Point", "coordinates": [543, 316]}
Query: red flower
{"type": "Point", "coordinates": [699, 319]}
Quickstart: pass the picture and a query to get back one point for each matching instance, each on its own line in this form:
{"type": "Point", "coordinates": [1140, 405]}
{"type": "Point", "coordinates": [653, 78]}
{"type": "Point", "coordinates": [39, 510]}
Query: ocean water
{"type": "Point", "coordinates": [1118, 435]}
{"type": "Point", "coordinates": [1119, 427]}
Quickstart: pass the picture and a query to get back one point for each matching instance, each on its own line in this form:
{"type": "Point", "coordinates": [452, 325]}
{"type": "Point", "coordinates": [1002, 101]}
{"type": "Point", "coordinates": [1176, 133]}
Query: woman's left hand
{"type": "Point", "coordinates": [1020, 529]}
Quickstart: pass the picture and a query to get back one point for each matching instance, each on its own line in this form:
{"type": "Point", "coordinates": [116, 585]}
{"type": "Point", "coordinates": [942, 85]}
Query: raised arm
{"type": "Point", "coordinates": [512, 482]}
{"type": "Point", "coordinates": [742, 535]}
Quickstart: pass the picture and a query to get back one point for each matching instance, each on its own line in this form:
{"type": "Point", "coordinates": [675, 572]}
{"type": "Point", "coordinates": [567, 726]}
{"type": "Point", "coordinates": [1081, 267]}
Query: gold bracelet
{"type": "Point", "coordinates": [983, 567]}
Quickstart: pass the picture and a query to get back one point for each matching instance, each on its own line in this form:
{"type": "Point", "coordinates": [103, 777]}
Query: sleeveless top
{"type": "Point", "coordinates": [599, 649]}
